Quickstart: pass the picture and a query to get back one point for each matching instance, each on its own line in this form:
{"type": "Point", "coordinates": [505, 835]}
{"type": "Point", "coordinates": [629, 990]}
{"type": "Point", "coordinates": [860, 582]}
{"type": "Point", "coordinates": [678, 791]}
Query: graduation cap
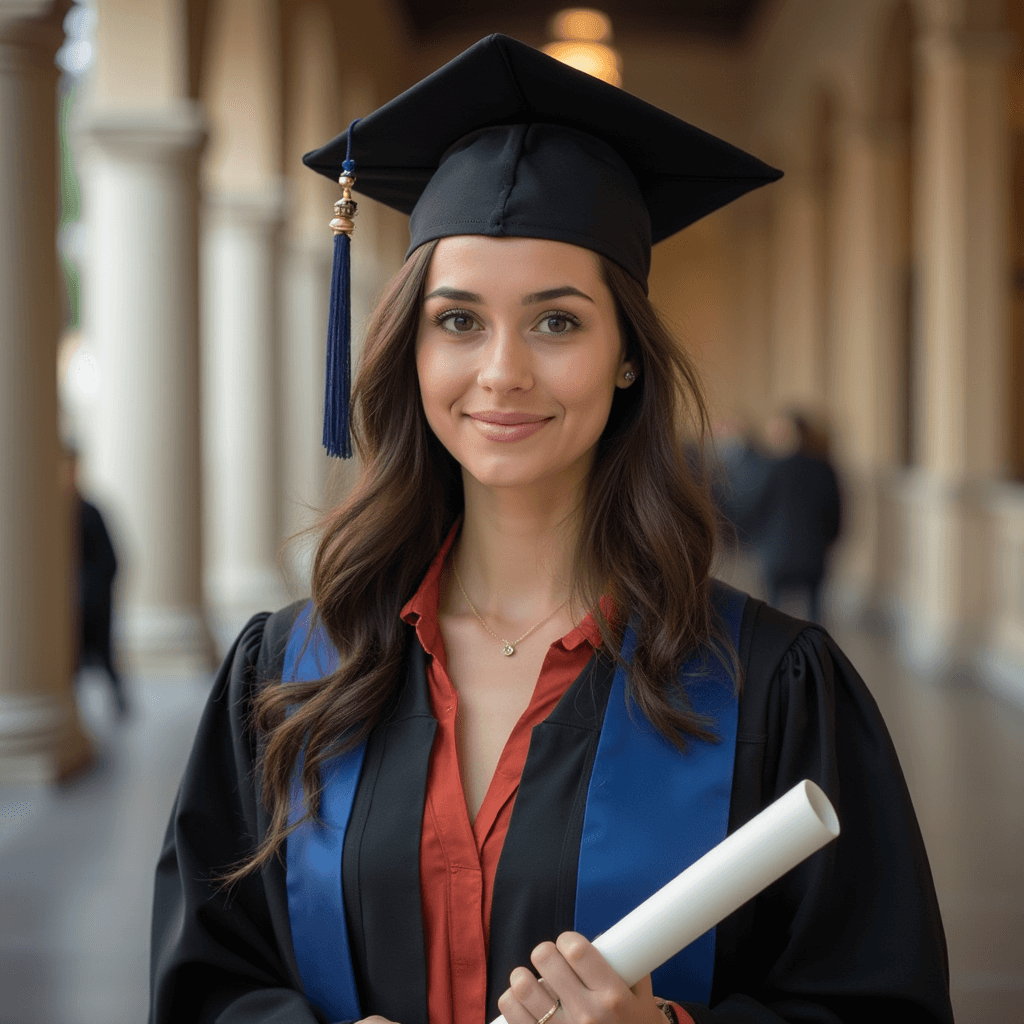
{"type": "Point", "coordinates": [506, 141]}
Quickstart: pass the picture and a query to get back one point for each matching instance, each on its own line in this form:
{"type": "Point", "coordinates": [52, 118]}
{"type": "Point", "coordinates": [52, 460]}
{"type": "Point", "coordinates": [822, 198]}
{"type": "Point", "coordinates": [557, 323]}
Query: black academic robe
{"type": "Point", "coordinates": [853, 934]}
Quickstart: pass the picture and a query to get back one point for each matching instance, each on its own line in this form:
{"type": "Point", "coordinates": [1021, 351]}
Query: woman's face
{"type": "Point", "coordinates": [518, 354]}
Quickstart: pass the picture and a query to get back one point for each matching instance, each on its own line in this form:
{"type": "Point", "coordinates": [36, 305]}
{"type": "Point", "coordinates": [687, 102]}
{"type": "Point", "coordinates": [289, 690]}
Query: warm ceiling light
{"type": "Point", "coordinates": [594, 58]}
{"type": "Point", "coordinates": [582, 23]}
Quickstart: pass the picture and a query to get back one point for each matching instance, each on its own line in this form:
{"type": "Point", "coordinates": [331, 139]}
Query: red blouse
{"type": "Point", "coordinates": [459, 858]}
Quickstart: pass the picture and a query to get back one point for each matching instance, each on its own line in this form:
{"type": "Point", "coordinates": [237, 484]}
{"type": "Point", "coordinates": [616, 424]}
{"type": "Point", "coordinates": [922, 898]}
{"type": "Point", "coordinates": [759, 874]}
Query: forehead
{"type": "Point", "coordinates": [520, 266]}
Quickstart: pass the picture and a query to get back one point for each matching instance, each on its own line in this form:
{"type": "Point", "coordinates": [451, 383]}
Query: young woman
{"type": "Point", "coordinates": [517, 703]}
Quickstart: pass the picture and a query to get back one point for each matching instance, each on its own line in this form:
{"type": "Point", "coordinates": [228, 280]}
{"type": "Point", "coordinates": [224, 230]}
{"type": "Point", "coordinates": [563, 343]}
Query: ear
{"type": "Point", "coordinates": [627, 374]}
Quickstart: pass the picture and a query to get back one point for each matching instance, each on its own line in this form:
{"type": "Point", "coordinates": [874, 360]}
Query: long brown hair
{"type": "Point", "coordinates": [647, 538]}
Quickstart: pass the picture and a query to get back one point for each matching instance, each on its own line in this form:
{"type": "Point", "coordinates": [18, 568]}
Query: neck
{"type": "Point", "coordinates": [514, 554]}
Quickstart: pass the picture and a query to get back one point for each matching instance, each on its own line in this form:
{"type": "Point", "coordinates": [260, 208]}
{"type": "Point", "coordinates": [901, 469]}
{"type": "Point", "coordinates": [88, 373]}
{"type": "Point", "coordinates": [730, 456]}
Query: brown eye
{"type": "Point", "coordinates": [558, 323]}
{"type": "Point", "coordinates": [456, 322]}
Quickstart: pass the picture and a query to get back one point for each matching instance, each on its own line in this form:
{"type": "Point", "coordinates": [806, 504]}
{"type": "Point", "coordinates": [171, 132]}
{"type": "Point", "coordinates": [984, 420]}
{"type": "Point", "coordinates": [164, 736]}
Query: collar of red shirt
{"type": "Point", "coordinates": [421, 610]}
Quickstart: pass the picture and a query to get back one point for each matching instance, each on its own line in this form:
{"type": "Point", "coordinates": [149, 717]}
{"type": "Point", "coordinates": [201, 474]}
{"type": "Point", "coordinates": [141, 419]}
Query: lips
{"type": "Point", "coordinates": [505, 427]}
{"type": "Point", "coordinates": [507, 419]}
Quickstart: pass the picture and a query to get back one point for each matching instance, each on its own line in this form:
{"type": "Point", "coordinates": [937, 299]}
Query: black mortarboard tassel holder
{"type": "Point", "coordinates": [337, 438]}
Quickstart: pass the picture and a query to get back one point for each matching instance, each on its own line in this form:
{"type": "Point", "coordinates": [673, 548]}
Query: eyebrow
{"type": "Point", "coordinates": [455, 294]}
{"type": "Point", "coordinates": [554, 293]}
{"type": "Point", "coordinates": [458, 295]}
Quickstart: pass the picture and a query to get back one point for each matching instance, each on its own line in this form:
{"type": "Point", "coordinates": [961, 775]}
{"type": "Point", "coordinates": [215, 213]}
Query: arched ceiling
{"type": "Point", "coordinates": [721, 19]}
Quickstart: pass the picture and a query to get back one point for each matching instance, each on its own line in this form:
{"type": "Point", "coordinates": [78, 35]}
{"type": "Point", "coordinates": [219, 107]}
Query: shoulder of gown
{"type": "Point", "coordinates": [854, 932]}
{"type": "Point", "coordinates": [221, 955]}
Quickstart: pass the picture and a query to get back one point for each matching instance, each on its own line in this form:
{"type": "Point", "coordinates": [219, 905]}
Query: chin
{"type": "Point", "coordinates": [505, 473]}
{"type": "Point", "coordinates": [523, 471]}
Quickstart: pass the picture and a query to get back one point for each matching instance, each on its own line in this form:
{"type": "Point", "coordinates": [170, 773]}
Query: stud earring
{"type": "Point", "coordinates": [629, 375]}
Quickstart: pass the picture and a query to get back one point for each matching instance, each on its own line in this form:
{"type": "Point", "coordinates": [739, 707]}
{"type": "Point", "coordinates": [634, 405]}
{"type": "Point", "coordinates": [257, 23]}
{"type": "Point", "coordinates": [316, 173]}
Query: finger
{"type": "Point", "coordinates": [512, 1010]}
{"type": "Point", "coordinates": [578, 1001]}
{"type": "Point", "coordinates": [587, 963]}
{"type": "Point", "coordinates": [644, 988]}
{"type": "Point", "coordinates": [527, 998]}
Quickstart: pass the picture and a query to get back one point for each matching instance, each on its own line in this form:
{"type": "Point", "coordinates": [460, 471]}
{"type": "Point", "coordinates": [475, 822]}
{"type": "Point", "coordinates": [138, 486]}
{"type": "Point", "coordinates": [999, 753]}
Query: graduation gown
{"type": "Point", "coordinates": [852, 933]}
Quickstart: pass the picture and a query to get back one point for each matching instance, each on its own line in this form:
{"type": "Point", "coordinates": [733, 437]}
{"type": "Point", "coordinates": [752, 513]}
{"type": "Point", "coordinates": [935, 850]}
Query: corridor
{"type": "Point", "coordinates": [76, 863]}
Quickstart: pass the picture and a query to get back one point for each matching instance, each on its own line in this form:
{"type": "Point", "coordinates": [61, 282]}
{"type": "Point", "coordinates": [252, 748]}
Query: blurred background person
{"type": "Point", "coordinates": [740, 477]}
{"type": "Point", "coordinates": [94, 563]}
{"type": "Point", "coordinates": [799, 511]}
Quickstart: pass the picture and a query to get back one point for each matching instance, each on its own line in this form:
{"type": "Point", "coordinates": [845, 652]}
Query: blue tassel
{"type": "Point", "coordinates": [339, 354]}
{"type": "Point", "coordinates": [337, 437]}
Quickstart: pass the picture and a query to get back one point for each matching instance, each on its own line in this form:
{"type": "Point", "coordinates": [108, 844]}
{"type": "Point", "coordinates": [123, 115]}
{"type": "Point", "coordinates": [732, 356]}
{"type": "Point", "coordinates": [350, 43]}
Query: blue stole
{"type": "Point", "coordinates": [642, 825]}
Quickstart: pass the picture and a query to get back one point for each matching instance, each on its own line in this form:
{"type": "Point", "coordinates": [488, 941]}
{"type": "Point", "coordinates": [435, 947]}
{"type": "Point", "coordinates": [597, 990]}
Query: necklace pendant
{"type": "Point", "coordinates": [508, 650]}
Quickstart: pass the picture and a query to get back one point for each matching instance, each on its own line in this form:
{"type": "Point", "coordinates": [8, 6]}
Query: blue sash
{"type": "Point", "coordinates": [316, 905]}
{"type": "Point", "coordinates": [641, 827]}
{"type": "Point", "coordinates": [645, 824]}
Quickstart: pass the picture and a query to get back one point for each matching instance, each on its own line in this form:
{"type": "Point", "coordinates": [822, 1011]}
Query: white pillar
{"type": "Point", "coordinates": [962, 212]}
{"type": "Point", "coordinates": [142, 316]}
{"type": "Point", "coordinates": [862, 383]}
{"type": "Point", "coordinates": [797, 267]}
{"type": "Point", "coordinates": [893, 259]}
{"type": "Point", "coordinates": [313, 114]}
{"type": "Point", "coordinates": [40, 737]}
{"type": "Point", "coordinates": [307, 286]}
{"type": "Point", "coordinates": [240, 413]}
{"type": "Point", "coordinates": [749, 306]}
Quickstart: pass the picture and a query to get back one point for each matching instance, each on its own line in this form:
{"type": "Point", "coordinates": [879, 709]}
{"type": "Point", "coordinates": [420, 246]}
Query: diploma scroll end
{"type": "Point", "coordinates": [822, 806]}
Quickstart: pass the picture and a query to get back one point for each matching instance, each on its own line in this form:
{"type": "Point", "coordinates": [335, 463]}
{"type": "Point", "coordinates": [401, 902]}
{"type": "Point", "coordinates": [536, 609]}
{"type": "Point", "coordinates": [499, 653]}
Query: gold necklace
{"type": "Point", "coordinates": [507, 648]}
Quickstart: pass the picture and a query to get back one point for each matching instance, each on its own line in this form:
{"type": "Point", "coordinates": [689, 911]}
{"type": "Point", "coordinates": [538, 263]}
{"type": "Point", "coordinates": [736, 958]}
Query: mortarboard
{"type": "Point", "coordinates": [506, 141]}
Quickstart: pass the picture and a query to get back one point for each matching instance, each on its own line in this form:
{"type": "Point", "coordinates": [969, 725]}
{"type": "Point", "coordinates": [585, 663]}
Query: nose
{"type": "Point", "coordinates": [505, 363]}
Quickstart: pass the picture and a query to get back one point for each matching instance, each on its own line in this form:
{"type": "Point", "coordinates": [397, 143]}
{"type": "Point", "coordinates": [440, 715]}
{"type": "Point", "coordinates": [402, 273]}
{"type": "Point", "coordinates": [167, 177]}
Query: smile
{"type": "Point", "coordinates": [496, 426]}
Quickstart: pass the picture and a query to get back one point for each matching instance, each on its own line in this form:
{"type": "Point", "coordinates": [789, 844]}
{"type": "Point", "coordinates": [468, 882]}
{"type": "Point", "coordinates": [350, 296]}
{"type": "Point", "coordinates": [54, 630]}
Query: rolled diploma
{"type": "Point", "coordinates": [737, 869]}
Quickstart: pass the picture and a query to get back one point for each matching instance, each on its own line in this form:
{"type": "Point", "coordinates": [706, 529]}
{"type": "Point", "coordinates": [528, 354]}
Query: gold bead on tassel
{"type": "Point", "coordinates": [345, 207]}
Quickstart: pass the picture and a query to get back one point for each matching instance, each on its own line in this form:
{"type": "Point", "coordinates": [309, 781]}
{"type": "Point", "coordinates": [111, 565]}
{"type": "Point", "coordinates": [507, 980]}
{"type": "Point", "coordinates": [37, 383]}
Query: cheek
{"type": "Point", "coordinates": [587, 381]}
{"type": "Point", "coordinates": [443, 385]}
{"type": "Point", "coordinates": [436, 375]}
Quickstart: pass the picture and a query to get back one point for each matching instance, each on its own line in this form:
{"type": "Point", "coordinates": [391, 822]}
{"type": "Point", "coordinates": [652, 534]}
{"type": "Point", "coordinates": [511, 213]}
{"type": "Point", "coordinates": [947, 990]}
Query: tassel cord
{"type": "Point", "coordinates": [337, 439]}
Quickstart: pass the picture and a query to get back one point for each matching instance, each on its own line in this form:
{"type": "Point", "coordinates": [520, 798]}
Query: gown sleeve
{"type": "Point", "coordinates": [854, 933]}
{"type": "Point", "coordinates": [221, 957]}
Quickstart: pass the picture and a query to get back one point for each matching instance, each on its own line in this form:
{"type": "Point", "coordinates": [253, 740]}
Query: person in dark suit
{"type": "Point", "coordinates": [800, 512]}
{"type": "Point", "coordinates": [742, 471]}
{"type": "Point", "coordinates": [97, 567]}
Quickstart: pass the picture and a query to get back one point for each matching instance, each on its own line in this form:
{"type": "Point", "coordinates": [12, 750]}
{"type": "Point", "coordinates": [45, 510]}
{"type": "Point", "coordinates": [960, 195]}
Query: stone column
{"type": "Point", "coordinates": [240, 309]}
{"type": "Point", "coordinates": [862, 383]}
{"type": "Point", "coordinates": [244, 208]}
{"type": "Point", "coordinates": [797, 350]}
{"type": "Point", "coordinates": [962, 209]}
{"type": "Point", "coordinates": [142, 316]}
{"type": "Point", "coordinates": [893, 258]}
{"type": "Point", "coordinates": [897, 337]}
{"type": "Point", "coordinates": [40, 736]}
{"type": "Point", "coordinates": [749, 239]}
{"type": "Point", "coordinates": [305, 467]}
{"type": "Point", "coordinates": [313, 113]}
{"type": "Point", "coordinates": [307, 286]}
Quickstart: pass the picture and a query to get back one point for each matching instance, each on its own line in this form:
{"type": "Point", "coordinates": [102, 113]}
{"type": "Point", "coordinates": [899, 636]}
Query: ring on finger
{"type": "Point", "coordinates": [547, 1016]}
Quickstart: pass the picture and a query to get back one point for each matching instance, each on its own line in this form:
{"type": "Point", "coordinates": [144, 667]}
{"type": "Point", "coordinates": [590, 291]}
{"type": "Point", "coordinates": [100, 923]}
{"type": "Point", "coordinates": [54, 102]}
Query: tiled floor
{"type": "Point", "coordinates": [76, 864]}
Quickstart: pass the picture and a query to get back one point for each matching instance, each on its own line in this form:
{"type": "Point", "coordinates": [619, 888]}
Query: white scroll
{"type": "Point", "coordinates": [737, 869]}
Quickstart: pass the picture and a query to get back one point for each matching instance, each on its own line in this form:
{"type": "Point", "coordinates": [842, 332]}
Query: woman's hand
{"type": "Point", "coordinates": [575, 974]}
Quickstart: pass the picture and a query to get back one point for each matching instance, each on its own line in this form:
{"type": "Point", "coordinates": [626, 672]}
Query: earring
{"type": "Point", "coordinates": [629, 375]}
